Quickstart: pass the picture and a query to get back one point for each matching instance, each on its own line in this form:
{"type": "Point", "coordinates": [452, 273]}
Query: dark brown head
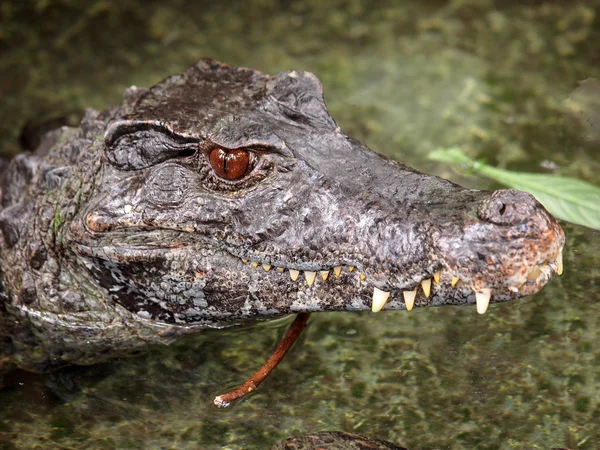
{"type": "Point", "coordinates": [222, 166]}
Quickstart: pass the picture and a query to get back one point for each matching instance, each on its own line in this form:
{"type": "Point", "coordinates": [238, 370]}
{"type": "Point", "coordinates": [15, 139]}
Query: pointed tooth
{"type": "Point", "coordinates": [324, 274]}
{"type": "Point", "coordinates": [245, 261]}
{"type": "Point", "coordinates": [337, 270]}
{"type": "Point", "coordinates": [267, 267]}
{"type": "Point", "coordinates": [254, 264]}
{"type": "Point", "coordinates": [482, 299]}
{"type": "Point", "coordinates": [362, 277]}
{"type": "Point", "coordinates": [514, 289]}
{"type": "Point", "coordinates": [310, 277]}
{"type": "Point", "coordinates": [436, 276]}
{"type": "Point", "coordinates": [294, 274]}
{"type": "Point", "coordinates": [454, 280]}
{"type": "Point", "coordinates": [409, 298]}
{"type": "Point", "coordinates": [533, 274]}
{"type": "Point", "coordinates": [379, 299]}
{"type": "Point", "coordinates": [426, 285]}
{"type": "Point", "coordinates": [280, 269]}
{"type": "Point", "coordinates": [350, 268]}
{"type": "Point", "coordinates": [559, 261]}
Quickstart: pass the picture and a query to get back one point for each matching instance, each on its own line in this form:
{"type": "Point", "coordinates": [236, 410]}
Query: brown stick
{"type": "Point", "coordinates": [223, 400]}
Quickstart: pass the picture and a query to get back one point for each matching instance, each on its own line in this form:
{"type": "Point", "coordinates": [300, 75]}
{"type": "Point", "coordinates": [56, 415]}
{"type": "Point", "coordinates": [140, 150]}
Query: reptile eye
{"type": "Point", "coordinates": [230, 165]}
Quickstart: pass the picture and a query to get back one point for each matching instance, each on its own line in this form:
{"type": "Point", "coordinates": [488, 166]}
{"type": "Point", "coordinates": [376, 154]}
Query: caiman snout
{"type": "Point", "coordinates": [515, 246]}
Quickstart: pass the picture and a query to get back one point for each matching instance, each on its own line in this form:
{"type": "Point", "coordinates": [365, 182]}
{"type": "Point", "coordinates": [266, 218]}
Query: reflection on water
{"type": "Point", "coordinates": [405, 77]}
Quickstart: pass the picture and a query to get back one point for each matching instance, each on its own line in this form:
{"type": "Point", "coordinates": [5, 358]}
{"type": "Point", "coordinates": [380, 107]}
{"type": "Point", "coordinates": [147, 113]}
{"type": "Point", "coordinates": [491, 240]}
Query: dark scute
{"type": "Point", "coordinates": [55, 176]}
{"type": "Point", "coordinates": [12, 221]}
{"type": "Point", "coordinates": [28, 292]}
{"type": "Point", "coordinates": [16, 176]}
{"type": "Point", "coordinates": [38, 258]}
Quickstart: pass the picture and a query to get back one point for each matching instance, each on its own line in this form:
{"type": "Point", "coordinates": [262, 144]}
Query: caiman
{"type": "Point", "coordinates": [222, 196]}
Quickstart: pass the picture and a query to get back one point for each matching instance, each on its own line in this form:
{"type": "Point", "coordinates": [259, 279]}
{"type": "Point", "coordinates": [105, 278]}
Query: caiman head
{"type": "Point", "coordinates": [228, 195]}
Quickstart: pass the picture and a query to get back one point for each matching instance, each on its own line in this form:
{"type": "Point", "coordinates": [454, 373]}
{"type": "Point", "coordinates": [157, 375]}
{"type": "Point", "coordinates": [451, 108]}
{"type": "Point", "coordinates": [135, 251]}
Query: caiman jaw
{"type": "Point", "coordinates": [536, 277]}
{"type": "Point", "coordinates": [512, 249]}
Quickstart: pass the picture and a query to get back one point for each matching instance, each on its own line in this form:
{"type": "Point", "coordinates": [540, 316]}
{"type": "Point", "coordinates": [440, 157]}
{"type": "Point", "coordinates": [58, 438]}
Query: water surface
{"type": "Point", "coordinates": [404, 77]}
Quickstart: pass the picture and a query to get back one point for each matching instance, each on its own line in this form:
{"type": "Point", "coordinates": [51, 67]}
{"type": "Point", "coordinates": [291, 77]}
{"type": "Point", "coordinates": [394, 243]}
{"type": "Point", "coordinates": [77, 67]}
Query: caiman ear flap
{"type": "Point", "coordinates": [133, 145]}
{"type": "Point", "coordinates": [300, 94]}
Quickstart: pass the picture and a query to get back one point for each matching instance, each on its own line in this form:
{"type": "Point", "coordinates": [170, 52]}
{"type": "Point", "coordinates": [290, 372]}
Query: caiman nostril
{"type": "Point", "coordinates": [508, 207]}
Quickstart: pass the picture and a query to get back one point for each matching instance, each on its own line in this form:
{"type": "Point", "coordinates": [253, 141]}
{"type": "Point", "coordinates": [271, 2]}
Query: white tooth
{"type": "Point", "coordinates": [267, 267]}
{"type": "Point", "coordinates": [280, 269]}
{"type": "Point", "coordinates": [409, 298]}
{"type": "Point", "coordinates": [350, 268]}
{"type": "Point", "coordinates": [324, 274]}
{"type": "Point", "coordinates": [513, 289]}
{"type": "Point", "coordinates": [310, 277]}
{"type": "Point", "coordinates": [482, 298]}
{"type": "Point", "coordinates": [379, 299]}
{"type": "Point", "coordinates": [294, 274]}
{"type": "Point", "coordinates": [337, 270]}
{"type": "Point", "coordinates": [362, 277]}
{"type": "Point", "coordinates": [454, 280]}
{"type": "Point", "coordinates": [559, 260]}
{"type": "Point", "coordinates": [436, 276]}
{"type": "Point", "coordinates": [254, 264]}
{"type": "Point", "coordinates": [426, 285]}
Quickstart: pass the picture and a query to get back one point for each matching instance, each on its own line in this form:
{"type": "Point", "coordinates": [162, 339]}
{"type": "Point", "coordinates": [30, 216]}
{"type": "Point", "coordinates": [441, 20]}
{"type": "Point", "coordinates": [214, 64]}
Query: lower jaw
{"type": "Point", "coordinates": [323, 286]}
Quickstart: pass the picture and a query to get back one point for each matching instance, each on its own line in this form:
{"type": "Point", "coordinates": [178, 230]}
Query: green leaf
{"type": "Point", "coordinates": [568, 199]}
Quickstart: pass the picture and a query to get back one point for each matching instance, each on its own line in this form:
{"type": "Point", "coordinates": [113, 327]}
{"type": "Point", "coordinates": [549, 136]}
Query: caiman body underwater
{"type": "Point", "coordinates": [222, 196]}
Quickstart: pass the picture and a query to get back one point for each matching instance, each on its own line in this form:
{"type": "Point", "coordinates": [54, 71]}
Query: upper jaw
{"type": "Point", "coordinates": [436, 285]}
{"type": "Point", "coordinates": [484, 262]}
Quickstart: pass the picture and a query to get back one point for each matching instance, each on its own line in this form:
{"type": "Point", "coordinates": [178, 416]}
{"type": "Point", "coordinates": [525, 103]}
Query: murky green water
{"type": "Point", "coordinates": [404, 77]}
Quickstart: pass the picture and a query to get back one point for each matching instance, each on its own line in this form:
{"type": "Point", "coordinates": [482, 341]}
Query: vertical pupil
{"type": "Point", "coordinates": [230, 164]}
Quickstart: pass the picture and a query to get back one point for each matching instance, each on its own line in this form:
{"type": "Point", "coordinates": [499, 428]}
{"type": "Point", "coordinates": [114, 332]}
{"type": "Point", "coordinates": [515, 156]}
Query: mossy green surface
{"type": "Point", "coordinates": [405, 77]}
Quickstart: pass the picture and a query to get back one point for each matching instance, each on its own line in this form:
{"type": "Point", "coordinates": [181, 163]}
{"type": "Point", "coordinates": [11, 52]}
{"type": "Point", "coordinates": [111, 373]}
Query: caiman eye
{"type": "Point", "coordinates": [230, 165]}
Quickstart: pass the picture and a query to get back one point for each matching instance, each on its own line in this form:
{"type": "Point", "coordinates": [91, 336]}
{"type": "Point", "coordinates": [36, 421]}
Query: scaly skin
{"type": "Point", "coordinates": [123, 233]}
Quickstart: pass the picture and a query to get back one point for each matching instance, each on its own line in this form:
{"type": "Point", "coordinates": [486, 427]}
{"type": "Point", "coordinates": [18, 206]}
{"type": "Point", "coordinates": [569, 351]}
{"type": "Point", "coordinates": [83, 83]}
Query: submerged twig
{"type": "Point", "coordinates": [223, 400]}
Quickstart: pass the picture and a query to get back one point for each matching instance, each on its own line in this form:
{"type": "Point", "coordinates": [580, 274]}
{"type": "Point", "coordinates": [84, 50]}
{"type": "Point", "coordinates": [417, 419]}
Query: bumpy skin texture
{"type": "Point", "coordinates": [120, 233]}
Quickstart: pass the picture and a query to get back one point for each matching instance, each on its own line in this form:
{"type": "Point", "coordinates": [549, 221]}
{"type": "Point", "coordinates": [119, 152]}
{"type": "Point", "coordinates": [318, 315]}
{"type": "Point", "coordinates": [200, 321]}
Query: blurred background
{"type": "Point", "coordinates": [497, 78]}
